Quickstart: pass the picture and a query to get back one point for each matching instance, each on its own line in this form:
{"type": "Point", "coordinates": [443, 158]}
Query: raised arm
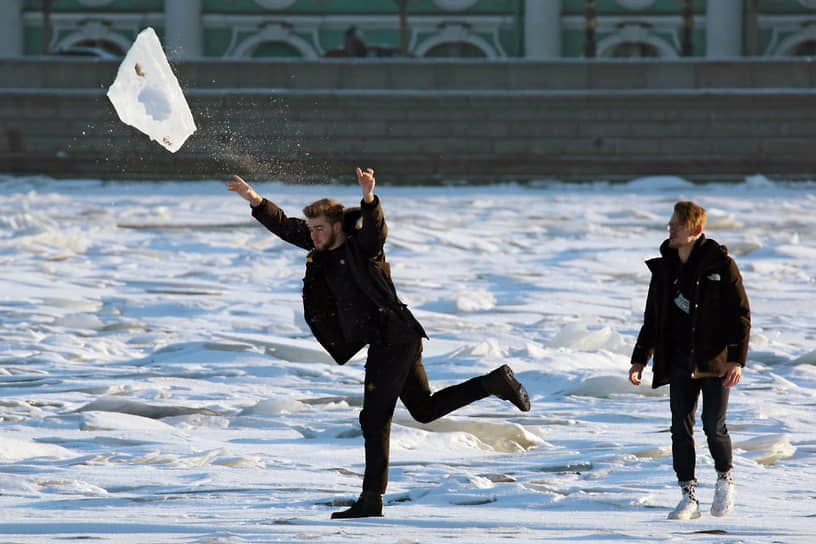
{"type": "Point", "coordinates": [243, 189]}
{"type": "Point", "coordinates": [371, 236]}
{"type": "Point", "coordinates": [288, 229]}
{"type": "Point", "coordinates": [366, 181]}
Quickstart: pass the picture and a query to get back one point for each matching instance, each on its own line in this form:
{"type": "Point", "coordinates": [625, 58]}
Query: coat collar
{"type": "Point", "coordinates": [706, 253]}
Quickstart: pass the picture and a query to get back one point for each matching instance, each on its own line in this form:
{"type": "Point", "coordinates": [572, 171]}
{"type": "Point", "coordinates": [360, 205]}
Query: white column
{"type": "Point", "coordinates": [182, 28]}
{"type": "Point", "coordinates": [542, 29]}
{"type": "Point", "coordinates": [11, 28]}
{"type": "Point", "coordinates": [724, 28]}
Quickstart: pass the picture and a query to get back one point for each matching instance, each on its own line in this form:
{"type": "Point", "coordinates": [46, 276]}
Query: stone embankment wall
{"type": "Point", "coordinates": [427, 119]}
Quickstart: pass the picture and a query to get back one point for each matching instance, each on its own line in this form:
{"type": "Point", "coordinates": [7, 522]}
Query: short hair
{"type": "Point", "coordinates": [330, 208]}
{"type": "Point", "coordinates": [690, 215]}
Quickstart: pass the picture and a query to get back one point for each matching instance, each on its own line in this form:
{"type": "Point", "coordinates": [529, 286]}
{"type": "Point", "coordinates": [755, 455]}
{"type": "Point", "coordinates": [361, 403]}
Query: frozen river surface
{"type": "Point", "coordinates": [158, 382]}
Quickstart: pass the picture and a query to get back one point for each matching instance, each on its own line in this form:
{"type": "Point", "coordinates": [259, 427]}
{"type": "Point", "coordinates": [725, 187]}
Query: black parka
{"type": "Point", "coordinates": [720, 314]}
{"type": "Point", "coordinates": [365, 231]}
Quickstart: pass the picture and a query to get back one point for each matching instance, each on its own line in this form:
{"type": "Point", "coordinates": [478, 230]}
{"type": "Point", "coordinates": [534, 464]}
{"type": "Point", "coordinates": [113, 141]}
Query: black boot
{"type": "Point", "coordinates": [504, 385]}
{"type": "Point", "coordinates": [369, 505]}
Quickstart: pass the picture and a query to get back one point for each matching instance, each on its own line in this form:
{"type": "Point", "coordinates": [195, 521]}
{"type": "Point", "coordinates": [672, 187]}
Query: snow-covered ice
{"type": "Point", "coordinates": [158, 382]}
{"type": "Point", "coordinates": [147, 95]}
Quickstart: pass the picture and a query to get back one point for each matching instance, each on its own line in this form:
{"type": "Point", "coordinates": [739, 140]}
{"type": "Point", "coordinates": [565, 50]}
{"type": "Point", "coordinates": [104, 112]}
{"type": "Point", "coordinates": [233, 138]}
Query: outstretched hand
{"type": "Point", "coordinates": [367, 182]}
{"type": "Point", "coordinates": [238, 185]}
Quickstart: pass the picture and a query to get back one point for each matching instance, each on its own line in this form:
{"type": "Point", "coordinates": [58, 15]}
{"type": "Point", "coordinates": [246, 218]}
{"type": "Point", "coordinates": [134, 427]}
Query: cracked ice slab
{"type": "Point", "coordinates": [147, 95]}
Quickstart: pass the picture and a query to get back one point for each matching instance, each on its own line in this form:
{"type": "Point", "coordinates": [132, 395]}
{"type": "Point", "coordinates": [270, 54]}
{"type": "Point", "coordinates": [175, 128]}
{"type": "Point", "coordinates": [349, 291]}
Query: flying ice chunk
{"type": "Point", "coordinates": [147, 95]}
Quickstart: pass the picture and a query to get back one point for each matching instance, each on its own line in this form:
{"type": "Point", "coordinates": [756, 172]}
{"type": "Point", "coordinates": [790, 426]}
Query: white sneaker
{"type": "Point", "coordinates": [724, 492]}
{"type": "Point", "coordinates": [688, 507]}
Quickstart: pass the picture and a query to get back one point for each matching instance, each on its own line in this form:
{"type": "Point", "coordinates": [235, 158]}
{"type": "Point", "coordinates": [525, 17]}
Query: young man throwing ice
{"type": "Point", "coordinates": [349, 301]}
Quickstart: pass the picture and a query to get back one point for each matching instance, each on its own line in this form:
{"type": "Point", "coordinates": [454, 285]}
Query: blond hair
{"type": "Point", "coordinates": [690, 215]}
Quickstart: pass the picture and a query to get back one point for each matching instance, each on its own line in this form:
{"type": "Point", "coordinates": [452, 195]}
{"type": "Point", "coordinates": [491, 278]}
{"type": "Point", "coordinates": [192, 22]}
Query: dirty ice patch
{"type": "Point", "coordinates": [503, 436]}
{"type": "Point", "coordinates": [767, 450]}
{"type": "Point", "coordinates": [147, 95]}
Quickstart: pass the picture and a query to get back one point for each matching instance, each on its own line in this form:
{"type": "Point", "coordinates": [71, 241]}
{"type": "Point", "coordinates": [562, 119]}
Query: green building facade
{"type": "Point", "coordinates": [494, 29]}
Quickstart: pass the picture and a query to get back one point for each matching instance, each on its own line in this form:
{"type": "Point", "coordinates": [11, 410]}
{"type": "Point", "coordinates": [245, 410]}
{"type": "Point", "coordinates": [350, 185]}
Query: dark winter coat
{"type": "Point", "coordinates": [365, 231]}
{"type": "Point", "coordinates": [720, 315]}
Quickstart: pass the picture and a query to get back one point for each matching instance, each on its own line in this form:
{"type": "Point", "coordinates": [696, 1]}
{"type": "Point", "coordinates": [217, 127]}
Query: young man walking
{"type": "Point", "coordinates": [695, 328]}
{"type": "Point", "coordinates": [349, 301]}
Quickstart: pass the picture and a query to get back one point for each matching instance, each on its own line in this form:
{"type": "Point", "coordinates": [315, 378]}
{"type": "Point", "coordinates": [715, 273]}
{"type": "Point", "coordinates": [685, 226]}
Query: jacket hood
{"type": "Point", "coordinates": [352, 219]}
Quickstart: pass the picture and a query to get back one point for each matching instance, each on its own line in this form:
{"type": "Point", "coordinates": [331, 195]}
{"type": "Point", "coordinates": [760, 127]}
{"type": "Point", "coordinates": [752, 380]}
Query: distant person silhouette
{"type": "Point", "coordinates": [353, 45]}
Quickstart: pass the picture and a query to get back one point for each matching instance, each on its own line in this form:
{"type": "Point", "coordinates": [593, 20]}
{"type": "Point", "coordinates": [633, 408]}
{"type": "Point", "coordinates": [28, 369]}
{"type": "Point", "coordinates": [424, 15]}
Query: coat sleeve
{"type": "Point", "coordinates": [373, 232]}
{"type": "Point", "coordinates": [647, 338]}
{"type": "Point", "coordinates": [737, 314]}
{"type": "Point", "coordinates": [288, 229]}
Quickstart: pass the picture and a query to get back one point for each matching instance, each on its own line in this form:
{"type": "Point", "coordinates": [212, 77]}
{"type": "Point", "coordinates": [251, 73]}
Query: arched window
{"type": "Point", "coordinates": [275, 49]}
{"type": "Point", "coordinates": [274, 40]}
{"type": "Point", "coordinates": [103, 49]}
{"type": "Point", "coordinates": [455, 50]}
{"type": "Point", "coordinates": [635, 40]}
{"type": "Point", "coordinates": [105, 45]}
{"type": "Point", "coordinates": [634, 50]}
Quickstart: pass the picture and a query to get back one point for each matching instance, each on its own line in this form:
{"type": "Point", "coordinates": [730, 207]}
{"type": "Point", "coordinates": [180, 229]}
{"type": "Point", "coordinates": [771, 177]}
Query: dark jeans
{"type": "Point", "coordinates": [684, 392]}
{"type": "Point", "coordinates": [395, 371]}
